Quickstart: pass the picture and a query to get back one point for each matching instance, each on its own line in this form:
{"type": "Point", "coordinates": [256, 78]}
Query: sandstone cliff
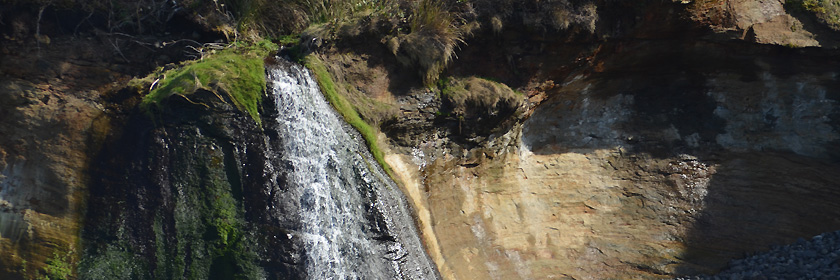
{"type": "Point", "coordinates": [570, 139]}
{"type": "Point", "coordinates": [695, 135]}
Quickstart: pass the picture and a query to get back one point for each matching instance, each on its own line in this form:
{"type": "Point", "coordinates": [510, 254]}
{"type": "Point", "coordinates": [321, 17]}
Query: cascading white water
{"type": "Point", "coordinates": [336, 184]}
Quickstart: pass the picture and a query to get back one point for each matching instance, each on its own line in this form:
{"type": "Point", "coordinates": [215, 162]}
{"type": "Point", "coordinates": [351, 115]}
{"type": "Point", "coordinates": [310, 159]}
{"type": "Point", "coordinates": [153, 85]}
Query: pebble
{"type": "Point", "coordinates": [816, 258]}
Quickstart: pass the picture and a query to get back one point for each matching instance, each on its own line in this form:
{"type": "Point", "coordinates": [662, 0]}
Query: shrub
{"type": "Point", "coordinates": [434, 36]}
{"type": "Point", "coordinates": [477, 92]}
{"type": "Point", "coordinates": [479, 105]}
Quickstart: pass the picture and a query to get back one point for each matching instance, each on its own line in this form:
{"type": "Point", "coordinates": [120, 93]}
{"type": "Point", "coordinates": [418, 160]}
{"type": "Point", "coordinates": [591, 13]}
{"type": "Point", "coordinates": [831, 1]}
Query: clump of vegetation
{"type": "Point", "coordinates": [351, 116]}
{"type": "Point", "coordinates": [424, 35]}
{"type": "Point", "coordinates": [58, 267]}
{"type": "Point", "coordinates": [476, 92]}
{"type": "Point", "coordinates": [237, 71]}
{"type": "Point", "coordinates": [433, 38]}
{"type": "Point", "coordinates": [827, 11]}
{"type": "Point", "coordinates": [480, 106]}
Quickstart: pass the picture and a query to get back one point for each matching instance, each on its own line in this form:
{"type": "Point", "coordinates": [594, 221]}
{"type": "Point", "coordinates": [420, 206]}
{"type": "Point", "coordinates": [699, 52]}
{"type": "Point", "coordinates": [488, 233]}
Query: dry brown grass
{"type": "Point", "coordinates": [560, 15]}
{"type": "Point", "coordinates": [435, 34]}
{"type": "Point", "coordinates": [474, 92]}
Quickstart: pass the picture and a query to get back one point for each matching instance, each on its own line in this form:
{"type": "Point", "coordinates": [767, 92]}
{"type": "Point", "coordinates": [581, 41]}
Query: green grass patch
{"type": "Point", "coordinates": [237, 71]}
{"type": "Point", "coordinates": [351, 116]}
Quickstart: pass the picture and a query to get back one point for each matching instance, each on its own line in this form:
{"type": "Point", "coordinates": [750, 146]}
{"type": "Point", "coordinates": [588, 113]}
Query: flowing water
{"type": "Point", "coordinates": [353, 221]}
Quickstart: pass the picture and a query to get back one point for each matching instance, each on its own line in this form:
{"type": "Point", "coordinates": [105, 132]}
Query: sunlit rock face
{"type": "Point", "coordinates": [670, 159]}
{"type": "Point", "coordinates": [47, 135]}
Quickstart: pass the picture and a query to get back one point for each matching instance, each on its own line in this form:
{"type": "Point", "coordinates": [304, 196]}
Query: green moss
{"type": "Point", "coordinates": [237, 71]}
{"type": "Point", "coordinates": [209, 220]}
{"type": "Point", "coordinates": [325, 81]}
{"type": "Point", "coordinates": [827, 11]}
{"type": "Point", "coordinates": [224, 220]}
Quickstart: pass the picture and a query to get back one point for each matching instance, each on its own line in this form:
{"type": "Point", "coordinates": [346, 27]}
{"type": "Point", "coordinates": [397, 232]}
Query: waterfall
{"type": "Point", "coordinates": [353, 221]}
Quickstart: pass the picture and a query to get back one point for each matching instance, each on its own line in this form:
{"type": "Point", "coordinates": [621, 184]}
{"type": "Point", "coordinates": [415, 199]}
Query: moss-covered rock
{"type": "Point", "coordinates": [236, 71]}
{"type": "Point", "coordinates": [168, 198]}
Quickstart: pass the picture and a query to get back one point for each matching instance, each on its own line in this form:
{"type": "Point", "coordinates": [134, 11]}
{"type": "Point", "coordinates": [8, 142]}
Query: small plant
{"type": "Point", "coordinates": [58, 267]}
{"type": "Point", "coordinates": [476, 95]}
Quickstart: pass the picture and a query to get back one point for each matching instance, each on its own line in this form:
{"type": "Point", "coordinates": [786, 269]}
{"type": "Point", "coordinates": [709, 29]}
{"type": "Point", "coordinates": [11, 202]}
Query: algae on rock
{"type": "Point", "coordinates": [173, 206]}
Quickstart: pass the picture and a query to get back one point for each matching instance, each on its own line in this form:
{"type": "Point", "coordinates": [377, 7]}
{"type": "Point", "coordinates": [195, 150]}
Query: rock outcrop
{"type": "Point", "coordinates": [49, 133]}
{"type": "Point", "coordinates": [53, 122]}
{"type": "Point", "coordinates": [656, 158]}
{"type": "Point", "coordinates": [57, 101]}
{"type": "Point", "coordinates": [653, 139]}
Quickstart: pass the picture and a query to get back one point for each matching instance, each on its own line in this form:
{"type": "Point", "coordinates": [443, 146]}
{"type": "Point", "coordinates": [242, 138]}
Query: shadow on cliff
{"type": "Point", "coordinates": [172, 196]}
{"type": "Point", "coordinates": [654, 99]}
{"type": "Point", "coordinates": [769, 194]}
{"type": "Point", "coordinates": [758, 200]}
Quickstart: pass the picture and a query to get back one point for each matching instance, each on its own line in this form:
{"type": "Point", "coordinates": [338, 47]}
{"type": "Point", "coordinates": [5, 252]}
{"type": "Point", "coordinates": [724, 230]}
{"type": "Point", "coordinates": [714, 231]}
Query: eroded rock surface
{"type": "Point", "coordinates": [662, 139]}
{"type": "Point", "coordinates": [49, 133]}
{"type": "Point", "coordinates": [667, 167]}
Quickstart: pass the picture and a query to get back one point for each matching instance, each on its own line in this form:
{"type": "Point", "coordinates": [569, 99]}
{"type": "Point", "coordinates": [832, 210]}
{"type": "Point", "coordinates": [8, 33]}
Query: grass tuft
{"type": "Point", "coordinates": [466, 93]}
{"type": "Point", "coordinates": [351, 116]}
{"type": "Point", "coordinates": [433, 39]}
{"type": "Point", "coordinates": [238, 72]}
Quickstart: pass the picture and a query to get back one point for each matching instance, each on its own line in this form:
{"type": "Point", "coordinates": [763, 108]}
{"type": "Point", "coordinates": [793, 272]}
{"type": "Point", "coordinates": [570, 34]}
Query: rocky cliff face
{"type": "Point", "coordinates": [48, 135]}
{"type": "Point", "coordinates": [54, 121]}
{"type": "Point", "coordinates": [654, 157]}
{"type": "Point", "coordinates": [630, 141]}
{"type": "Point", "coordinates": [660, 167]}
{"type": "Point", "coordinates": [58, 98]}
